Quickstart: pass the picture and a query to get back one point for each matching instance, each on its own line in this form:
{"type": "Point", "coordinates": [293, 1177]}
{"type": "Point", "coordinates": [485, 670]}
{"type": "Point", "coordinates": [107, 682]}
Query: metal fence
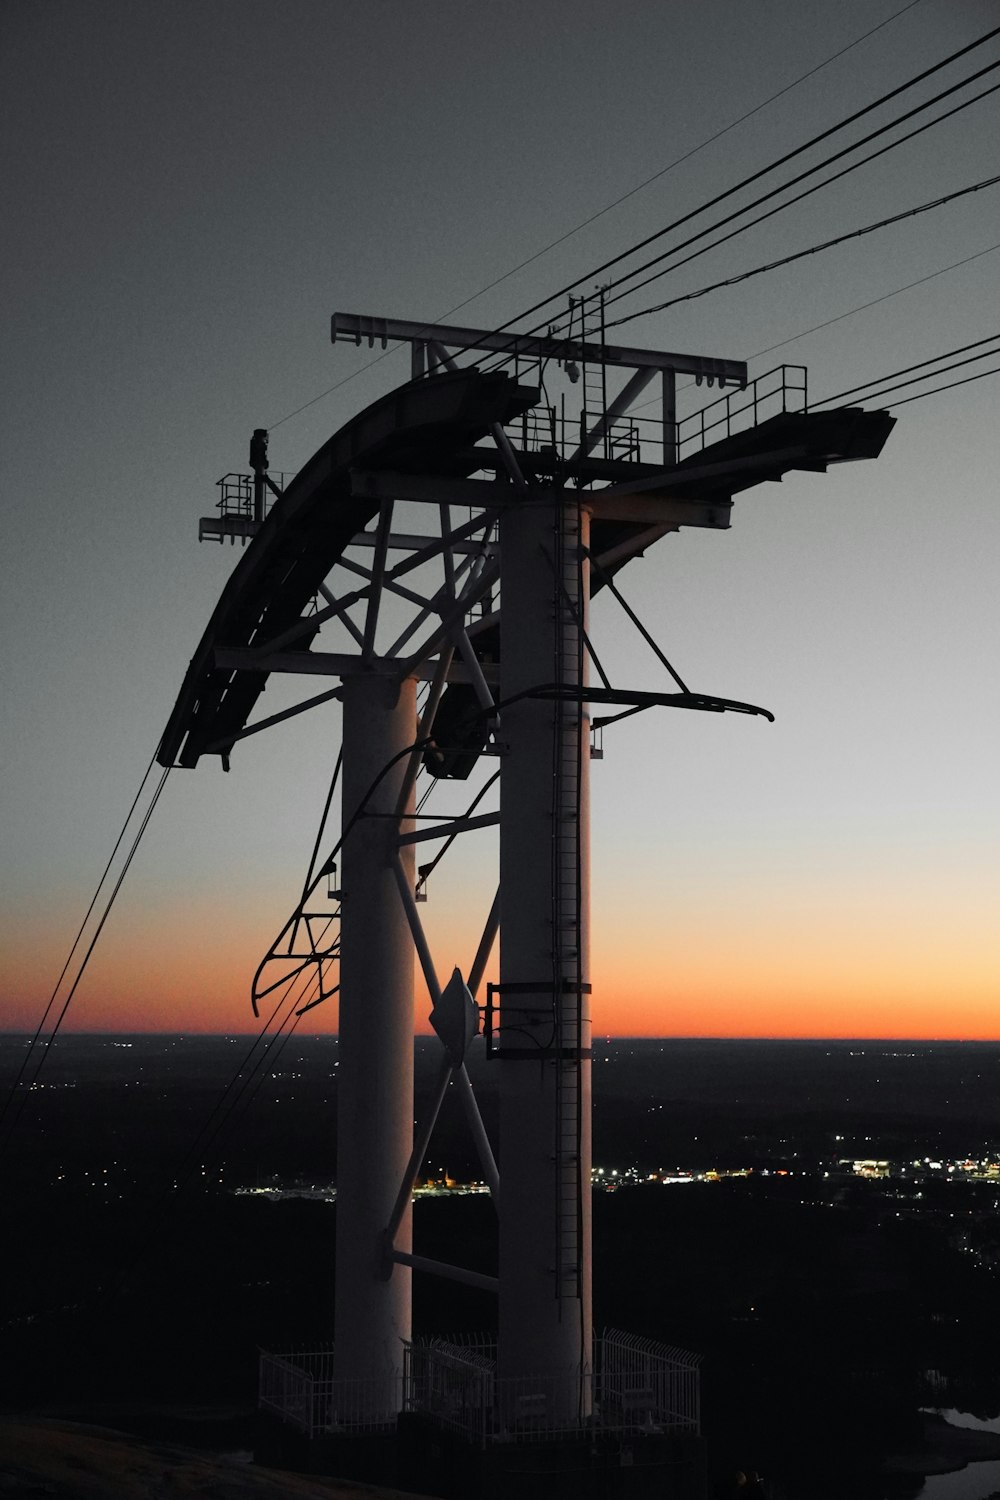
{"type": "Point", "coordinates": [647, 1383]}
{"type": "Point", "coordinates": [299, 1387]}
{"type": "Point", "coordinates": [635, 1385]}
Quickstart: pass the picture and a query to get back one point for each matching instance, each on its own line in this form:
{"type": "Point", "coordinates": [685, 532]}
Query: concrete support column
{"type": "Point", "coordinates": [375, 1076]}
{"type": "Point", "coordinates": [544, 1036]}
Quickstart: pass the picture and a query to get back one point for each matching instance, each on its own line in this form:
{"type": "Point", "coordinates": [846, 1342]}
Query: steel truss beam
{"type": "Point", "coordinates": [358, 326]}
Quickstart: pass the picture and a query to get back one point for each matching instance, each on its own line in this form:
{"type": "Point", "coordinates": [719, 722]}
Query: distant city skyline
{"type": "Point", "coordinates": [192, 193]}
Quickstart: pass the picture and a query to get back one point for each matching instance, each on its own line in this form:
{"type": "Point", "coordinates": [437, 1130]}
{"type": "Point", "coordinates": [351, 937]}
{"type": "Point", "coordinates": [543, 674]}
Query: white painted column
{"type": "Point", "coordinates": [545, 1070]}
{"type": "Point", "coordinates": [375, 1076]}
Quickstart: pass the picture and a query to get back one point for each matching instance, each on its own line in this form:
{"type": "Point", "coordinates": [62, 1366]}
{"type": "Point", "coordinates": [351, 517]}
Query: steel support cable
{"type": "Point", "coordinates": [287, 1000]}
{"type": "Point", "coordinates": [787, 260]}
{"type": "Point", "coordinates": [587, 643]}
{"type": "Point", "coordinates": [425, 871]}
{"type": "Point", "coordinates": [295, 1016]}
{"type": "Point", "coordinates": [799, 197]}
{"type": "Point", "coordinates": [81, 970]}
{"type": "Point", "coordinates": [76, 943]}
{"type": "Point", "coordinates": [359, 812]}
{"type": "Point", "coordinates": [203, 1140]}
{"type": "Point", "coordinates": [939, 388]}
{"type": "Point", "coordinates": [647, 637]}
{"type": "Point", "coordinates": [921, 364]}
{"type": "Point", "coordinates": [929, 375]}
{"type": "Point", "coordinates": [764, 172]}
{"type": "Point", "coordinates": [862, 307]}
{"type": "Point", "coordinates": [319, 836]}
{"type": "Point", "coordinates": [291, 1002]}
{"type": "Point", "coordinates": [608, 207]}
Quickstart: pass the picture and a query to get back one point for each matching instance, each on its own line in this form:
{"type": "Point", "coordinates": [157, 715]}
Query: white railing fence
{"type": "Point", "coordinates": [635, 1385]}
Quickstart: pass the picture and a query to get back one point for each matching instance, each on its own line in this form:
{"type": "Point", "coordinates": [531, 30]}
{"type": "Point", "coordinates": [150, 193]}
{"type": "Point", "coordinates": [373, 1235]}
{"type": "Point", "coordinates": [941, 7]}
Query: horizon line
{"type": "Point", "coordinates": [624, 1036]}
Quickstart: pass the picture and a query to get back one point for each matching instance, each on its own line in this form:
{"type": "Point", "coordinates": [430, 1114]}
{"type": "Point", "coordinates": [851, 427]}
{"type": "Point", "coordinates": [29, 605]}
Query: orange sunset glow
{"type": "Point", "coordinates": [859, 971]}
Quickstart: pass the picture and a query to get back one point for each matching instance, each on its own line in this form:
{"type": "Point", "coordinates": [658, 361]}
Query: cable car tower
{"type": "Point", "coordinates": [526, 507]}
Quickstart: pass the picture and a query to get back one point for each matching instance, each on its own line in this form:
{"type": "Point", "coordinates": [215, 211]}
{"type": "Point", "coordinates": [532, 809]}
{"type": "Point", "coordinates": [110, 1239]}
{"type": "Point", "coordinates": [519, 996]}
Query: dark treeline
{"type": "Point", "coordinates": [817, 1303]}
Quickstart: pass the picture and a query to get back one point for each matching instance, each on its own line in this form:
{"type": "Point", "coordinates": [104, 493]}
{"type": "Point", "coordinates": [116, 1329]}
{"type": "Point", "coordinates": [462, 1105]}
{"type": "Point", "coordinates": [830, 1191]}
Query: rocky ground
{"type": "Point", "coordinates": [945, 1449]}
{"type": "Point", "coordinates": [45, 1458]}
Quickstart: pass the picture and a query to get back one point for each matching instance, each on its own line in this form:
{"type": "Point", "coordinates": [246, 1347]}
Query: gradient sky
{"type": "Point", "coordinates": [190, 190]}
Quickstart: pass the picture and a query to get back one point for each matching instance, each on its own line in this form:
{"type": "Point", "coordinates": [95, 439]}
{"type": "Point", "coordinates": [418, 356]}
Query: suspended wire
{"type": "Point", "coordinates": [679, 161]}
{"type": "Point", "coordinates": [765, 171]}
{"type": "Point", "coordinates": [787, 260]}
{"type": "Point", "coordinates": [799, 197]}
{"type": "Point", "coordinates": [807, 193]}
{"type": "Point", "coordinates": [327, 864]}
{"type": "Point", "coordinates": [292, 1004]}
{"type": "Point", "coordinates": [610, 584]}
{"type": "Point", "coordinates": [307, 883]}
{"type": "Point", "coordinates": [76, 942]}
{"type": "Point", "coordinates": [206, 1138]}
{"type": "Point", "coordinates": [81, 970]}
{"type": "Point", "coordinates": [608, 207]}
{"type": "Point", "coordinates": [908, 369]}
{"type": "Point", "coordinates": [931, 374]}
{"type": "Point", "coordinates": [863, 307]}
{"type": "Point", "coordinates": [939, 388]}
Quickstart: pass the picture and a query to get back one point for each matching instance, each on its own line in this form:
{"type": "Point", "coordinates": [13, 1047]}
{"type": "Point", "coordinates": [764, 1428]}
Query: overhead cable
{"type": "Point", "coordinates": [851, 311]}
{"type": "Point", "coordinates": [806, 193]}
{"type": "Point", "coordinates": [863, 393]}
{"type": "Point", "coordinates": [81, 970]}
{"type": "Point", "coordinates": [863, 306]}
{"type": "Point", "coordinates": [608, 207]}
{"type": "Point", "coordinates": [936, 391]}
{"type": "Point", "coordinates": [679, 160]}
{"type": "Point", "coordinates": [75, 944]}
{"type": "Point", "coordinates": [773, 167]}
{"type": "Point", "coordinates": [787, 260]}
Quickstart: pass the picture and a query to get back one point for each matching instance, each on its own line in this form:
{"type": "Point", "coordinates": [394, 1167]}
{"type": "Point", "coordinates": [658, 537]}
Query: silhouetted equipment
{"type": "Point", "coordinates": [258, 462]}
{"type": "Point", "coordinates": [556, 505]}
{"type": "Point", "coordinates": [258, 449]}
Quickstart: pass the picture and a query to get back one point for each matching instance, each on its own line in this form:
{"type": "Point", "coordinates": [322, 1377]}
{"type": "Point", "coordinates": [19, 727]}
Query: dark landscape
{"type": "Point", "coordinates": [817, 1220]}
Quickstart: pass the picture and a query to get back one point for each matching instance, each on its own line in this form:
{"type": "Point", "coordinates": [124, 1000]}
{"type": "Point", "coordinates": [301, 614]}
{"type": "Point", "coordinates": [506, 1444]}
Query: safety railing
{"type": "Point", "coordinates": [301, 1389]}
{"type": "Point", "coordinates": [236, 494]}
{"type": "Point", "coordinates": [635, 438]}
{"type": "Point", "coordinates": [635, 1385]}
{"type": "Point", "coordinates": [782, 389]}
{"type": "Point", "coordinates": [619, 437]}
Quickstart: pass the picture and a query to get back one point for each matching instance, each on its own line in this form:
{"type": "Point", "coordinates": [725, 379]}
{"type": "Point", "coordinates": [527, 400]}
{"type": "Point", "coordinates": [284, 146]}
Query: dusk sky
{"type": "Point", "coordinates": [191, 189]}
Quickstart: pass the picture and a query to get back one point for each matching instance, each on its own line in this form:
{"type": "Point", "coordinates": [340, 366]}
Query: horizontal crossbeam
{"type": "Point", "coordinates": [333, 664]}
{"type": "Point", "coordinates": [610, 504]}
{"type": "Point", "coordinates": [450, 1273]}
{"type": "Point", "coordinates": [358, 326]}
{"type": "Point", "coordinates": [453, 826]}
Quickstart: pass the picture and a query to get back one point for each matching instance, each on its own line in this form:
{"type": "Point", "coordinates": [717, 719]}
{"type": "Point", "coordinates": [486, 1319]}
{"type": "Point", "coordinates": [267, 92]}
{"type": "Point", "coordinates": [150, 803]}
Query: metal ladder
{"type": "Point", "coordinates": [569, 744]}
{"type": "Point", "coordinates": [587, 324]}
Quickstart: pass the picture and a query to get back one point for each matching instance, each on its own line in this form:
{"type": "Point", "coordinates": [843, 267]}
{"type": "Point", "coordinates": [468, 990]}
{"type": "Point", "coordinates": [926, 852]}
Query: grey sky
{"type": "Point", "coordinates": [191, 189]}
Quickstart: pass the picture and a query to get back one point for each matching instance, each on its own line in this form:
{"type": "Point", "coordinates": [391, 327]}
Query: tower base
{"type": "Point", "coordinates": [623, 1430]}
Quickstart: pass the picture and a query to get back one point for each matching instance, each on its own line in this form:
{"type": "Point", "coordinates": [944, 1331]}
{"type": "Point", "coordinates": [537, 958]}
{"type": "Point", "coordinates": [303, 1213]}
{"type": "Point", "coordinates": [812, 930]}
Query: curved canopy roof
{"type": "Point", "coordinates": [424, 426]}
{"type": "Point", "coordinates": [431, 426]}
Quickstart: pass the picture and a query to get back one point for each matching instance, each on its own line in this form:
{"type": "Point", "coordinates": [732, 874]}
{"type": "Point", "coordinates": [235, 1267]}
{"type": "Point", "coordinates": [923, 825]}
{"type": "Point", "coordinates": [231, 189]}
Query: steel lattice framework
{"type": "Point", "coordinates": [524, 514]}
